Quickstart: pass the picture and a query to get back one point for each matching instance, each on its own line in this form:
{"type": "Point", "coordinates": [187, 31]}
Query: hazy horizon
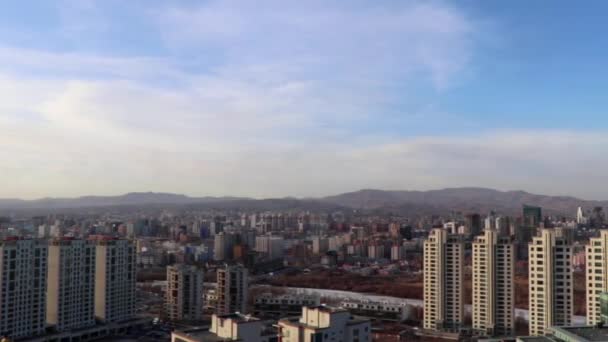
{"type": "Point", "coordinates": [194, 195]}
{"type": "Point", "coordinates": [305, 99]}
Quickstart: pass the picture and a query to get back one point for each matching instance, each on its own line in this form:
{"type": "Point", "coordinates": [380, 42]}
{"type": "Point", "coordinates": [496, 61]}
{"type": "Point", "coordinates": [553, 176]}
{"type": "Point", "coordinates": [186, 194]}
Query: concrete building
{"type": "Point", "coordinates": [570, 334]}
{"type": "Point", "coordinates": [233, 327]}
{"type": "Point", "coordinates": [23, 268]}
{"type": "Point", "coordinates": [443, 281]}
{"type": "Point", "coordinates": [375, 251]}
{"type": "Point", "coordinates": [390, 312]}
{"type": "Point", "coordinates": [597, 275]}
{"type": "Point", "coordinates": [268, 305]}
{"type": "Point", "coordinates": [397, 252]}
{"type": "Point", "coordinates": [493, 290]}
{"type": "Point", "coordinates": [550, 288]}
{"type": "Point", "coordinates": [323, 323]}
{"type": "Point", "coordinates": [320, 245]}
{"type": "Point", "coordinates": [223, 246]}
{"type": "Point", "coordinates": [232, 289]}
{"type": "Point", "coordinates": [270, 245]}
{"type": "Point", "coordinates": [70, 284]}
{"type": "Point", "coordinates": [114, 279]}
{"type": "Point", "coordinates": [184, 297]}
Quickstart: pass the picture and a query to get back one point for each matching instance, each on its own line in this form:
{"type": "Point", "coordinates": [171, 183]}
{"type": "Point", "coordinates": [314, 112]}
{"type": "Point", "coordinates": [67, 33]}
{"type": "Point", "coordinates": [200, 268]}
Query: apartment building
{"type": "Point", "coordinates": [550, 287]}
{"type": "Point", "coordinates": [184, 296]}
{"type": "Point", "coordinates": [493, 291]}
{"type": "Point", "coordinates": [114, 279]}
{"type": "Point", "coordinates": [23, 268]}
{"type": "Point", "coordinates": [232, 289]}
{"type": "Point", "coordinates": [443, 281]}
{"type": "Point", "coordinates": [597, 275]}
{"type": "Point", "coordinates": [71, 284]}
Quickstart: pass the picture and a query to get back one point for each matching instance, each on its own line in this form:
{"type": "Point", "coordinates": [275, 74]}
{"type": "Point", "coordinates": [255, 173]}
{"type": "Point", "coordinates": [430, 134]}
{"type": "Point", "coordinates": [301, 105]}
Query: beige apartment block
{"type": "Point", "coordinates": [493, 303]}
{"type": "Point", "coordinates": [114, 279]}
{"type": "Point", "coordinates": [550, 288]}
{"type": "Point", "coordinates": [597, 275]}
{"type": "Point", "coordinates": [443, 281]}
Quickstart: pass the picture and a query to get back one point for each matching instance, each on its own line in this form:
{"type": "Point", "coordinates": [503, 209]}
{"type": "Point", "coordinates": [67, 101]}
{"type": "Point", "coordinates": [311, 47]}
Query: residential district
{"type": "Point", "coordinates": [187, 275]}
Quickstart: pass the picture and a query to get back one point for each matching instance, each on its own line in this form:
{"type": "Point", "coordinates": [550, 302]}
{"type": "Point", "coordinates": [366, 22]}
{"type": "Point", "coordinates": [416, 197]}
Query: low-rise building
{"type": "Point", "coordinates": [273, 306]}
{"type": "Point", "coordinates": [380, 311]}
{"type": "Point", "coordinates": [324, 323]}
{"type": "Point", "coordinates": [232, 327]}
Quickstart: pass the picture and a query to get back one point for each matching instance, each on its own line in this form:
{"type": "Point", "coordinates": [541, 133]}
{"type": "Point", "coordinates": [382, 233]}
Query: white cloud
{"type": "Point", "coordinates": [271, 100]}
{"type": "Point", "coordinates": [344, 42]}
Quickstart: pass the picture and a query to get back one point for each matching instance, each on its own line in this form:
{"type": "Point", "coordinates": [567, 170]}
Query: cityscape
{"type": "Point", "coordinates": [238, 270]}
{"type": "Point", "coordinates": [303, 171]}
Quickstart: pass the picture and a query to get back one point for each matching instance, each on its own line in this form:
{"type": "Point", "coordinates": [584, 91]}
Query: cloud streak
{"type": "Point", "coordinates": [281, 99]}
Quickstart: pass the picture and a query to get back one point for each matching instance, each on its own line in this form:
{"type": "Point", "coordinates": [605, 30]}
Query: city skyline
{"type": "Point", "coordinates": [300, 99]}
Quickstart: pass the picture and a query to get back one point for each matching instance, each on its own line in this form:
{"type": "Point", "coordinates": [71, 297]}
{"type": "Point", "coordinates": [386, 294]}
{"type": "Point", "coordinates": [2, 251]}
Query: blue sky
{"type": "Point", "coordinates": [290, 98]}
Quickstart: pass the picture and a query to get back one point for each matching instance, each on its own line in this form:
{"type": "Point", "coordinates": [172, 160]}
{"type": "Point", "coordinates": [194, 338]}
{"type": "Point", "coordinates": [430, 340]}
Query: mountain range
{"type": "Point", "coordinates": [451, 199]}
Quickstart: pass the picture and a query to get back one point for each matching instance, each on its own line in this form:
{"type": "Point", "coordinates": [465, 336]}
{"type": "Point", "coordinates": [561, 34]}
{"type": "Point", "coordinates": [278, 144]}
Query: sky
{"type": "Point", "coordinates": [274, 98]}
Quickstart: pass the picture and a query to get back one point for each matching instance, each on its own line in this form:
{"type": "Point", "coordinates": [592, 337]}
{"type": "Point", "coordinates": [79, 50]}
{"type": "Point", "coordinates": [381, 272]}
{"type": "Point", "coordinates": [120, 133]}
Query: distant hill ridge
{"type": "Point", "coordinates": [457, 199]}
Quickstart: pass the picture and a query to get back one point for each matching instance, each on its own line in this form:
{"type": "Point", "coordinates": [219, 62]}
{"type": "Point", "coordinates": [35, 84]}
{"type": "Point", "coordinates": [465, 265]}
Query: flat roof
{"type": "Point", "coordinates": [535, 339]}
{"type": "Point", "coordinates": [240, 318]}
{"type": "Point", "coordinates": [587, 333]}
{"type": "Point", "coordinates": [201, 335]}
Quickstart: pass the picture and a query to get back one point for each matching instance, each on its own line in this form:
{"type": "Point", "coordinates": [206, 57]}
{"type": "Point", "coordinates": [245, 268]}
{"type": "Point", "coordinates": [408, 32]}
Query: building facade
{"type": "Point", "coordinates": [443, 281]}
{"type": "Point", "coordinates": [550, 287]}
{"type": "Point", "coordinates": [597, 275]}
{"type": "Point", "coordinates": [493, 290]}
{"type": "Point", "coordinates": [23, 268]}
{"type": "Point", "coordinates": [269, 305]}
{"type": "Point", "coordinates": [232, 289]}
{"type": "Point", "coordinates": [184, 296]}
{"type": "Point", "coordinates": [71, 284]}
{"type": "Point", "coordinates": [114, 279]}
{"type": "Point", "coordinates": [323, 323]}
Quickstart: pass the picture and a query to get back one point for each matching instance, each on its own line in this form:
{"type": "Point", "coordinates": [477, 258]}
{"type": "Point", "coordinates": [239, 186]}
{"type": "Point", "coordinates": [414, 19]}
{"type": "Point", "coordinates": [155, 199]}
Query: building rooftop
{"type": "Point", "coordinates": [535, 339]}
{"type": "Point", "coordinates": [582, 333]}
{"type": "Point", "coordinates": [329, 309]}
{"type": "Point", "coordinates": [239, 318]}
{"type": "Point", "coordinates": [201, 335]}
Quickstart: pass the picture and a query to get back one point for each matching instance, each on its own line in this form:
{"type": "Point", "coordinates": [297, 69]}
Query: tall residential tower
{"type": "Point", "coordinates": [550, 287]}
{"type": "Point", "coordinates": [184, 293]}
{"type": "Point", "coordinates": [443, 281]}
{"type": "Point", "coordinates": [71, 284]}
{"type": "Point", "coordinates": [23, 270]}
{"type": "Point", "coordinates": [493, 284]}
{"type": "Point", "coordinates": [232, 289]}
{"type": "Point", "coordinates": [114, 280]}
{"type": "Point", "coordinates": [597, 275]}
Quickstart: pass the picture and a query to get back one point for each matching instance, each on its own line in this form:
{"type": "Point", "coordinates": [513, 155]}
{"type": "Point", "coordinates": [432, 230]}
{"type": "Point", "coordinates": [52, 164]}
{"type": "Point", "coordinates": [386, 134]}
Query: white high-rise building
{"type": "Point", "coordinates": [223, 246]}
{"type": "Point", "coordinates": [184, 297]}
{"type": "Point", "coordinates": [71, 284]}
{"type": "Point", "coordinates": [23, 267]}
{"type": "Point", "coordinates": [493, 299]}
{"type": "Point", "coordinates": [550, 288]}
{"type": "Point", "coordinates": [580, 216]}
{"type": "Point", "coordinates": [232, 289]}
{"type": "Point", "coordinates": [114, 279]}
{"type": "Point", "coordinates": [597, 275]}
{"type": "Point", "coordinates": [443, 281]}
